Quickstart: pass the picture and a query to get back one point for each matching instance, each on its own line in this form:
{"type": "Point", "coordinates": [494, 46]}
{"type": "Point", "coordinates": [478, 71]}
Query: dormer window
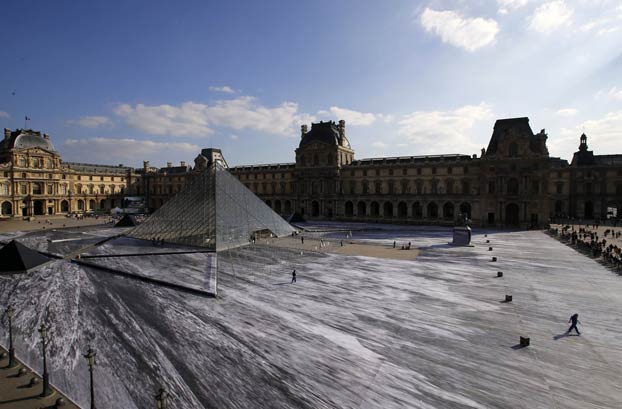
{"type": "Point", "coordinates": [513, 150]}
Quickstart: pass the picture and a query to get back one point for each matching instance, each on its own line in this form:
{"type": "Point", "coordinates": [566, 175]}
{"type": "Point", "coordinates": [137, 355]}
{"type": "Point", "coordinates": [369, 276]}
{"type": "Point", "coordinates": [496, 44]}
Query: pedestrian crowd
{"type": "Point", "coordinates": [588, 240]}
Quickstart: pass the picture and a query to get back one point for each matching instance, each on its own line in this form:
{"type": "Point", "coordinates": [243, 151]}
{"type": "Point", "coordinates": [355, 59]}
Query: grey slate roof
{"type": "Point", "coordinates": [24, 139]}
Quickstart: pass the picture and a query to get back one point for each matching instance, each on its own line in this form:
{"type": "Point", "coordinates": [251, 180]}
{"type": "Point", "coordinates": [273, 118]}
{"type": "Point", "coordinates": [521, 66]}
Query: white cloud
{"type": "Point", "coordinates": [4, 114]}
{"type": "Point", "coordinates": [91, 121]}
{"type": "Point", "coordinates": [551, 16]}
{"type": "Point", "coordinates": [603, 135]}
{"type": "Point", "coordinates": [566, 112]}
{"type": "Point", "coordinates": [124, 150]}
{"type": "Point", "coordinates": [615, 94]}
{"type": "Point", "coordinates": [226, 89]}
{"type": "Point", "coordinates": [194, 119]}
{"type": "Point", "coordinates": [244, 113]}
{"type": "Point", "coordinates": [355, 118]}
{"type": "Point", "coordinates": [609, 22]}
{"type": "Point", "coordinates": [435, 131]}
{"type": "Point", "coordinates": [234, 137]}
{"type": "Point", "coordinates": [468, 33]}
{"type": "Point", "coordinates": [505, 6]}
{"type": "Point", "coordinates": [188, 119]}
{"type": "Point", "coordinates": [379, 145]}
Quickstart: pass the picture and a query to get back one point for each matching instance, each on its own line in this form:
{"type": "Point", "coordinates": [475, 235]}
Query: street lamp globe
{"type": "Point", "coordinates": [162, 399]}
{"type": "Point", "coordinates": [90, 356]}
{"type": "Point", "coordinates": [43, 331]}
{"type": "Point", "coordinates": [10, 311]}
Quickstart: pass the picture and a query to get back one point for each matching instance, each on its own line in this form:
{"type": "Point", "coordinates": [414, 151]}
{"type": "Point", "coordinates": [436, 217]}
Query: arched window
{"type": "Point", "coordinates": [417, 210]}
{"type": "Point", "coordinates": [448, 211]}
{"type": "Point", "coordinates": [432, 210]}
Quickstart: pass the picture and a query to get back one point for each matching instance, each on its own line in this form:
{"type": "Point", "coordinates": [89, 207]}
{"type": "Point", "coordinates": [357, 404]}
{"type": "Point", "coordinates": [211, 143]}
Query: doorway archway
{"type": "Point", "coordinates": [512, 215]}
{"type": "Point", "coordinates": [37, 207]}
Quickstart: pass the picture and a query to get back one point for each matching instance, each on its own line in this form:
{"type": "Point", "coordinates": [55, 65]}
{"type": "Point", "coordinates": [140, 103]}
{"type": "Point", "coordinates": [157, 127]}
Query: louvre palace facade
{"type": "Point", "coordinates": [513, 182]}
{"type": "Point", "coordinates": [35, 181]}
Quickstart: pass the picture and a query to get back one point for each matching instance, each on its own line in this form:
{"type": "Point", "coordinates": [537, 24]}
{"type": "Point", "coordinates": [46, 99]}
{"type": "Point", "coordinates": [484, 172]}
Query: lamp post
{"type": "Point", "coordinates": [47, 391]}
{"type": "Point", "coordinates": [162, 399]}
{"type": "Point", "coordinates": [9, 313]}
{"type": "Point", "coordinates": [90, 358]}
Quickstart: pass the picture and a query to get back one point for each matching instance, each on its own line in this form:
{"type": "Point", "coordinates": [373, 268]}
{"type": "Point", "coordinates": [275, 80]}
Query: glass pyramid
{"type": "Point", "coordinates": [215, 211]}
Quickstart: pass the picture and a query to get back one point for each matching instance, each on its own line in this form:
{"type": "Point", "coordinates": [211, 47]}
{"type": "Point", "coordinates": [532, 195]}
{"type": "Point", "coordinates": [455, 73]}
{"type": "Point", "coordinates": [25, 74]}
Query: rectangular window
{"type": "Point", "coordinates": [50, 188]}
{"type": "Point", "coordinates": [23, 189]}
{"type": "Point", "coordinates": [491, 187]}
{"type": "Point", "coordinates": [491, 218]}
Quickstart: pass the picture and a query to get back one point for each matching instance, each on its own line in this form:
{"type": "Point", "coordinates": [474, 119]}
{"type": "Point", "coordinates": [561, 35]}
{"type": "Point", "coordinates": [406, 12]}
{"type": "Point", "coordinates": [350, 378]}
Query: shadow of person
{"type": "Point", "coordinates": [560, 336]}
{"type": "Point", "coordinates": [518, 346]}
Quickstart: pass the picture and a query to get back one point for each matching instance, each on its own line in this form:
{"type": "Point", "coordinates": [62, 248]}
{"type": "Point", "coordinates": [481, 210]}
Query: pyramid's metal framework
{"type": "Point", "coordinates": [215, 211]}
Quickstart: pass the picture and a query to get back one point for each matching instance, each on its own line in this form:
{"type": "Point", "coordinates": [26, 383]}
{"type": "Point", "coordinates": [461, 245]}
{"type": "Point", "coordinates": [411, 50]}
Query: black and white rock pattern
{"type": "Point", "coordinates": [353, 332]}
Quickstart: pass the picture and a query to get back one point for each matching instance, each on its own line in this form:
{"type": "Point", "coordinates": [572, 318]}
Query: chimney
{"type": "Point", "coordinates": [483, 152]}
{"type": "Point", "coordinates": [342, 131]}
{"type": "Point", "coordinates": [7, 133]}
{"type": "Point", "coordinates": [169, 164]}
{"type": "Point", "coordinates": [183, 163]}
{"type": "Point", "coordinates": [303, 130]}
{"type": "Point", "coordinates": [146, 166]}
{"type": "Point", "coordinates": [46, 136]}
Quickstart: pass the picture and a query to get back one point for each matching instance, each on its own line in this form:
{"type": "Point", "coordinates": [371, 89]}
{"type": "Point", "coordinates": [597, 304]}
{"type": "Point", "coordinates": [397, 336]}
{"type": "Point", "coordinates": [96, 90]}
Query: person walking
{"type": "Point", "coordinates": [293, 276]}
{"type": "Point", "coordinates": [574, 319]}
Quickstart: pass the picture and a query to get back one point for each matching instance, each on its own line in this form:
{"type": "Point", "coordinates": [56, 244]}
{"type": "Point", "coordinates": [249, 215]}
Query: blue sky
{"type": "Point", "coordinates": [126, 81]}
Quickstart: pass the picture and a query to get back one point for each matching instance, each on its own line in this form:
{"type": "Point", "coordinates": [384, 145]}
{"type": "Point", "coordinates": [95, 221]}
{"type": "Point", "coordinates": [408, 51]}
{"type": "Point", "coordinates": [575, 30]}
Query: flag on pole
{"type": "Point", "coordinates": [26, 118]}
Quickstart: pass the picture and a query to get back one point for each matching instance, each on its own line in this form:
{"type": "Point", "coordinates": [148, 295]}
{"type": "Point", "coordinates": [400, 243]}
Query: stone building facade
{"type": "Point", "coordinates": [35, 181]}
{"type": "Point", "coordinates": [514, 182]}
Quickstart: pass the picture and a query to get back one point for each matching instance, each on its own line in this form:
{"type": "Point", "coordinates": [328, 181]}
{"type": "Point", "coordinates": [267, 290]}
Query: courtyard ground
{"type": "Point", "coordinates": [352, 332]}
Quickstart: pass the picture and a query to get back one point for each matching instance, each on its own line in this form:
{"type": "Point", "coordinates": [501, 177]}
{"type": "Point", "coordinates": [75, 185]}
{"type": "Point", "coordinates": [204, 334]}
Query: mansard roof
{"type": "Point", "coordinates": [505, 128]}
{"type": "Point", "coordinates": [25, 139]}
{"type": "Point", "coordinates": [324, 132]}
{"type": "Point", "coordinates": [88, 167]}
